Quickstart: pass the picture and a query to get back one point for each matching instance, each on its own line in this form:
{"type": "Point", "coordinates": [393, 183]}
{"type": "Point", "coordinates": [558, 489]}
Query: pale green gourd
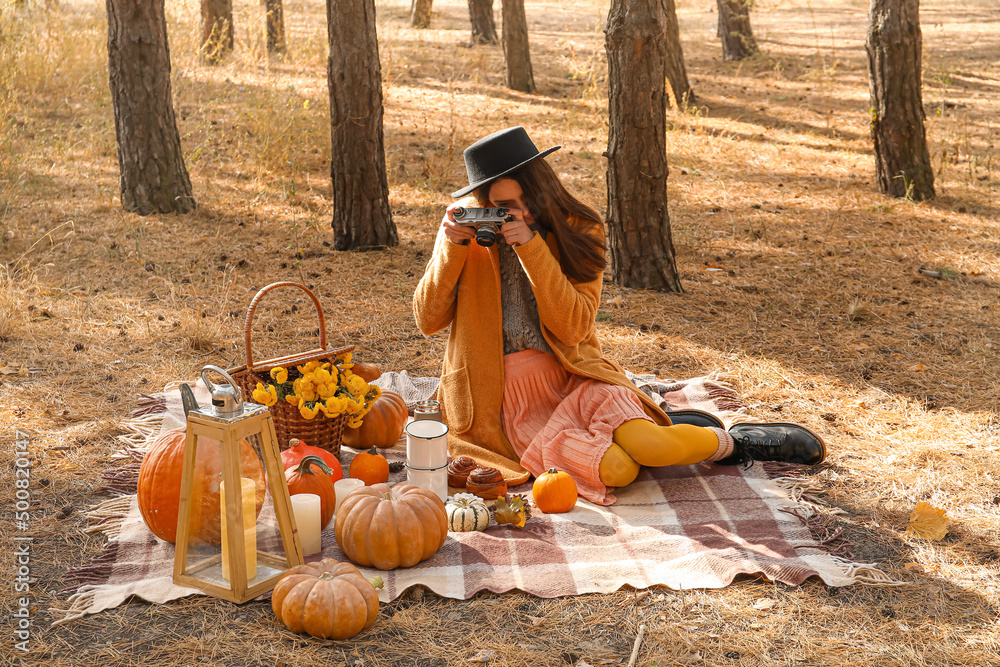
{"type": "Point", "coordinates": [467, 514]}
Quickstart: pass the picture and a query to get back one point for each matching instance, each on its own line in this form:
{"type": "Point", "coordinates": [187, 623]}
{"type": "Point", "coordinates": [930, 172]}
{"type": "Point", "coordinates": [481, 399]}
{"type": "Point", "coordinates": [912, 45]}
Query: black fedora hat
{"type": "Point", "coordinates": [498, 154]}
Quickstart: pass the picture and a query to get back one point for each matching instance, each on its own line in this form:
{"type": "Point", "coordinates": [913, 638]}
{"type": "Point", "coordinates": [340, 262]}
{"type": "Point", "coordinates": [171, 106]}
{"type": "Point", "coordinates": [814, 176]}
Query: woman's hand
{"type": "Point", "coordinates": [516, 232]}
{"type": "Point", "coordinates": [456, 233]}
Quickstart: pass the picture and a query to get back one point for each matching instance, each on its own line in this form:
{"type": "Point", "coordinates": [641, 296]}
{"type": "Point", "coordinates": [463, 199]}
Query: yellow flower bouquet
{"type": "Point", "coordinates": [328, 388]}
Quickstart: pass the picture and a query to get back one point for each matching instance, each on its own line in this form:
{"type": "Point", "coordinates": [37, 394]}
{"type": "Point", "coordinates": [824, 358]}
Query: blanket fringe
{"type": "Point", "coordinates": [866, 574]}
{"type": "Point", "coordinates": [109, 516]}
{"type": "Point", "coordinates": [139, 432]}
{"type": "Point", "coordinates": [97, 571]}
{"type": "Point", "coordinates": [122, 480]}
{"type": "Point", "coordinates": [831, 538]}
{"type": "Point", "coordinates": [805, 492]}
{"type": "Point", "coordinates": [817, 515]}
{"type": "Point", "coordinates": [724, 395]}
{"type": "Point", "coordinates": [79, 605]}
{"type": "Point", "coordinates": [150, 404]}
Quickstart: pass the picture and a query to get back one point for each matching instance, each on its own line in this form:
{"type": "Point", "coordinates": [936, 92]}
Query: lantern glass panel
{"type": "Point", "coordinates": [211, 557]}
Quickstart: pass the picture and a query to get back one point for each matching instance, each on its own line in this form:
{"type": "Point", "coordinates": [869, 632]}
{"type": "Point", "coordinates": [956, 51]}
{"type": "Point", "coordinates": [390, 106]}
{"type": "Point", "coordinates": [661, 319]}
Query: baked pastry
{"type": "Point", "coordinates": [487, 483]}
{"type": "Point", "coordinates": [459, 469]}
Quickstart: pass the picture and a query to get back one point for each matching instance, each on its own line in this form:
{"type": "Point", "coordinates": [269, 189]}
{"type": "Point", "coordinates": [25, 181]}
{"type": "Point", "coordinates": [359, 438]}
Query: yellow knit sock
{"type": "Point", "coordinates": [617, 468]}
{"type": "Point", "coordinates": [652, 445]}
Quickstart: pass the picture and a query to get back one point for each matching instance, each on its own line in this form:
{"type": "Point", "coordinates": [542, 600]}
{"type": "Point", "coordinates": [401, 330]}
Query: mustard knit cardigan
{"type": "Point", "coordinates": [461, 288]}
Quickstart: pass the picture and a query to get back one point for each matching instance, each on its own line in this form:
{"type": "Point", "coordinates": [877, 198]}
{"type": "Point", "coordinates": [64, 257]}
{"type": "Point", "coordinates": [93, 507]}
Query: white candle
{"type": "Point", "coordinates": [248, 493]}
{"type": "Point", "coordinates": [426, 444]}
{"type": "Point", "coordinates": [342, 487]}
{"type": "Point", "coordinates": [306, 509]}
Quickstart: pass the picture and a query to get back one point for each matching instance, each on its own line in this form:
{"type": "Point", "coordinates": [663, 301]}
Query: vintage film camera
{"type": "Point", "coordinates": [487, 222]}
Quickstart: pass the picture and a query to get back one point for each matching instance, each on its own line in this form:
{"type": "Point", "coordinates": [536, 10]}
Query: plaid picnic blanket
{"type": "Point", "coordinates": [684, 527]}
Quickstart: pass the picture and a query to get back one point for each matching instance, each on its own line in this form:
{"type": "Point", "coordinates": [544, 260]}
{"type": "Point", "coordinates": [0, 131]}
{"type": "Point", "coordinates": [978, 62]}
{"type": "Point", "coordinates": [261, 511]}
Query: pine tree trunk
{"type": "Point", "coordinates": [361, 214]}
{"type": "Point", "coordinates": [420, 13]}
{"type": "Point", "coordinates": [216, 29]}
{"type": "Point", "coordinates": [902, 163]}
{"type": "Point", "coordinates": [676, 71]}
{"type": "Point", "coordinates": [152, 173]}
{"type": "Point", "coordinates": [642, 252]}
{"type": "Point", "coordinates": [734, 29]}
{"type": "Point", "coordinates": [484, 28]}
{"type": "Point", "coordinates": [275, 26]}
{"type": "Point", "coordinates": [516, 54]}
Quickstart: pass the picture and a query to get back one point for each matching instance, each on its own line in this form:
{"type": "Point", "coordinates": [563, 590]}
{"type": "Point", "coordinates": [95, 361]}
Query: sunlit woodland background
{"type": "Point", "coordinates": [870, 318]}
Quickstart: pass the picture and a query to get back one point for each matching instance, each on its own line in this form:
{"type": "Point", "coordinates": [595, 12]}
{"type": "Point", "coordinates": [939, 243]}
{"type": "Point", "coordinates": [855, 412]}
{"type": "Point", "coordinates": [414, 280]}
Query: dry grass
{"type": "Point", "coordinates": [801, 282]}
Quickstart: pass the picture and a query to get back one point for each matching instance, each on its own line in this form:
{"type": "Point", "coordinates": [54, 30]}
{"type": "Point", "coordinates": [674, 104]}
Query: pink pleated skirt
{"type": "Point", "coordinates": [555, 419]}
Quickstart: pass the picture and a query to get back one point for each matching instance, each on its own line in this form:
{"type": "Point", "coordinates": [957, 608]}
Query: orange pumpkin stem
{"type": "Point", "coordinates": [376, 582]}
{"type": "Point", "coordinates": [552, 471]}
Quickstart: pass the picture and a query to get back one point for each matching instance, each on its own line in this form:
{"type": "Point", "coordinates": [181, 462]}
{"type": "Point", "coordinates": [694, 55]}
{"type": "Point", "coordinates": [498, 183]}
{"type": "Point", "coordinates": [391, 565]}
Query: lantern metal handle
{"type": "Point", "coordinates": [220, 399]}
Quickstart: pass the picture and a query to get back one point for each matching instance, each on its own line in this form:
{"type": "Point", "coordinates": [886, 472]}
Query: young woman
{"type": "Point", "coordinates": [525, 386]}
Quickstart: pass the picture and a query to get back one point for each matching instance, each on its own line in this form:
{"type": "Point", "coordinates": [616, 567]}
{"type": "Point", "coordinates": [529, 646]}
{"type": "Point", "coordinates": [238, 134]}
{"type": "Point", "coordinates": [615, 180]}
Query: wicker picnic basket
{"type": "Point", "coordinates": [321, 431]}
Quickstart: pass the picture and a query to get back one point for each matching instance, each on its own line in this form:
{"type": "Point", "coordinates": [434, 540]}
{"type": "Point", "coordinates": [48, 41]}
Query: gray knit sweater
{"type": "Point", "coordinates": [521, 329]}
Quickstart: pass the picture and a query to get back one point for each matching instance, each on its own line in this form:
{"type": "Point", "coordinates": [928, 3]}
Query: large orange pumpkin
{"type": "Point", "coordinates": [388, 528]}
{"type": "Point", "coordinates": [326, 599]}
{"type": "Point", "coordinates": [159, 487]}
{"type": "Point", "coordinates": [312, 475]}
{"type": "Point", "coordinates": [382, 426]}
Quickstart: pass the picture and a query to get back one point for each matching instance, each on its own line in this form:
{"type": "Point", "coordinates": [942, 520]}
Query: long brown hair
{"type": "Point", "coordinates": [580, 241]}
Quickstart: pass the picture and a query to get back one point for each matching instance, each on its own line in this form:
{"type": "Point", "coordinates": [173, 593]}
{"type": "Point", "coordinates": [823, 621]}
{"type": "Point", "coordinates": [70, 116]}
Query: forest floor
{"type": "Point", "coordinates": [873, 321]}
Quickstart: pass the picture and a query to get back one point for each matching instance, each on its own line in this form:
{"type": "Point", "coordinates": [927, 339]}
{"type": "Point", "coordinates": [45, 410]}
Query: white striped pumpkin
{"type": "Point", "coordinates": [467, 514]}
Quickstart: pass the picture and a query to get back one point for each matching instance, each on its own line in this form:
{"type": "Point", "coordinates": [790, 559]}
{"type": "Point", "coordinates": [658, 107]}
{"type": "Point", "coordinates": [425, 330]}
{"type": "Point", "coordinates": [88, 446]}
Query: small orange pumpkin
{"type": "Point", "coordinates": [368, 372]}
{"type": "Point", "coordinates": [304, 478]}
{"type": "Point", "coordinates": [388, 528]}
{"type": "Point", "coordinates": [382, 426]}
{"type": "Point", "coordinates": [370, 467]}
{"type": "Point", "coordinates": [326, 599]}
{"type": "Point", "coordinates": [159, 488]}
{"type": "Point", "coordinates": [554, 492]}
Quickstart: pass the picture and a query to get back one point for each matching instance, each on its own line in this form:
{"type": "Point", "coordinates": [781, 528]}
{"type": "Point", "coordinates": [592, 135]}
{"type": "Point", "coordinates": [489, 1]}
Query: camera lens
{"type": "Point", "coordinates": [485, 237]}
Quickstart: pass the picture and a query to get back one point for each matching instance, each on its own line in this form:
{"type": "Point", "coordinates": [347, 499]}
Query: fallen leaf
{"type": "Point", "coordinates": [536, 620]}
{"type": "Point", "coordinates": [513, 513]}
{"type": "Point", "coordinates": [927, 522]}
{"type": "Point", "coordinates": [913, 567]}
{"type": "Point", "coordinates": [763, 604]}
{"type": "Point", "coordinates": [917, 368]}
{"type": "Point", "coordinates": [856, 403]}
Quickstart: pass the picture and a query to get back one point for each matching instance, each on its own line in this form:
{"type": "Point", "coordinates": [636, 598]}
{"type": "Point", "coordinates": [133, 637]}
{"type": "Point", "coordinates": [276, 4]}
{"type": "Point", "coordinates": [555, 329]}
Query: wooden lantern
{"type": "Point", "coordinates": [236, 536]}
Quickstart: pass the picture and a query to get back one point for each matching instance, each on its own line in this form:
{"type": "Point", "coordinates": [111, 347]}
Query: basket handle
{"type": "Point", "coordinates": [253, 309]}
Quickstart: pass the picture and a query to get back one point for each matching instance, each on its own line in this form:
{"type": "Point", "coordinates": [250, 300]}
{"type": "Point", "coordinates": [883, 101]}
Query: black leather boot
{"type": "Point", "coordinates": [695, 418]}
{"type": "Point", "coordinates": [774, 441]}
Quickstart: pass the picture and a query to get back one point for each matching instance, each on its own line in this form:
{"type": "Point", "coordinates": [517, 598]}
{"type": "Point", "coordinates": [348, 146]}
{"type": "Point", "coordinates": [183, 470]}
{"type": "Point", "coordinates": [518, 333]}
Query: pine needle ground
{"type": "Point", "coordinates": [871, 320]}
